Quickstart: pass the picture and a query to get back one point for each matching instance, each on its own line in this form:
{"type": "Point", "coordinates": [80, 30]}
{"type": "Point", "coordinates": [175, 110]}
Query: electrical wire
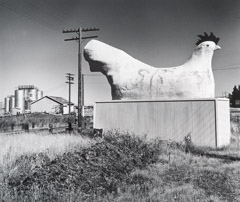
{"type": "Point", "coordinates": [228, 68]}
{"type": "Point", "coordinates": [93, 75]}
{"type": "Point", "coordinates": [33, 14]}
{"type": "Point", "coordinates": [45, 13]}
{"type": "Point", "coordinates": [58, 86]}
{"type": "Point", "coordinates": [45, 7]}
{"type": "Point", "coordinates": [63, 14]}
{"type": "Point", "coordinates": [30, 17]}
{"type": "Point", "coordinates": [34, 9]}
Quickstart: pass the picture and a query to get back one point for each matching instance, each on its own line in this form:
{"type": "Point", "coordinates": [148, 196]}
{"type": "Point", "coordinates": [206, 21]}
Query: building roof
{"type": "Point", "coordinates": [59, 100]}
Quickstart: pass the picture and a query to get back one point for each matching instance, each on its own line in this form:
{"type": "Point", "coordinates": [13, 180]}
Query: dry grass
{"type": "Point", "coordinates": [20, 154]}
{"type": "Point", "coordinates": [103, 166]}
{"type": "Point", "coordinates": [183, 177]}
{"type": "Point", "coordinates": [119, 168]}
{"type": "Point", "coordinates": [132, 168]}
{"type": "Point", "coordinates": [13, 147]}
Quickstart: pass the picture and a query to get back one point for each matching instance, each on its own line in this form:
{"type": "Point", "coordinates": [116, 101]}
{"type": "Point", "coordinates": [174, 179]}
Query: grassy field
{"type": "Point", "coordinates": [20, 154]}
{"type": "Point", "coordinates": [14, 146]}
{"type": "Point", "coordinates": [119, 167]}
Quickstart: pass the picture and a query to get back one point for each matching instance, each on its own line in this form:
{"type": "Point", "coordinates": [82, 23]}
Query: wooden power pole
{"type": "Point", "coordinates": [70, 79]}
{"type": "Point", "coordinates": [79, 38]}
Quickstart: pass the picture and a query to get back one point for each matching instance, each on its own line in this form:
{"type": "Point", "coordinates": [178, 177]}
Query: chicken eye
{"type": "Point", "coordinates": [207, 45]}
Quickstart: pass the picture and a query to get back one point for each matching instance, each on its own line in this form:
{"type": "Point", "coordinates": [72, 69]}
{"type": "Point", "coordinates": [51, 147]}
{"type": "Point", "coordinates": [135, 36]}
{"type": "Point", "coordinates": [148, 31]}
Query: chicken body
{"type": "Point", "coordinates": [132, 79]}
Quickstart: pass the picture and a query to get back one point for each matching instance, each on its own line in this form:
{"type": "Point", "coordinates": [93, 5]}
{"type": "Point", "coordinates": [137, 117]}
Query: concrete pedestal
{"type": "Point", "coordinates": [207, 120]}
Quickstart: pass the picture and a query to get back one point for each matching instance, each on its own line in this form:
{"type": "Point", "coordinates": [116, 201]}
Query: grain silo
{"type": "Point", "coordinates": [39, 94]}
{"type": "Point", "coordinates": [11, 103]}
{"type": "Point", "coordinates": [19, 100]}
{"type": "Point", "coordinates": [33, 94]}
{"type": "Point", "coordinates": [6, 104]}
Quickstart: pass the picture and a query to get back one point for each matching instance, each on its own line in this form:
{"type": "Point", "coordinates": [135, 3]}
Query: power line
{"type": "Point", "coordinates": [33, 14]}
{"type": "Point", "coordinates": [94, 84]}
{"type": "Point", "coordinates": [229, 68]}
{"type": "Point", "coordinates": [30, 17]}
{"type": "Point", "coordinates": [63, 13]}
{"type": "Point", "coordinates": [24, 10]}
{"type": "Point", "coordinates": [93, 75]}
{"type": "Point", "coordinates": [46, 9]}
{"type": "Point", "coordinates": [61, 85]}
{"type": "Point", "coordinates": [34, 9]}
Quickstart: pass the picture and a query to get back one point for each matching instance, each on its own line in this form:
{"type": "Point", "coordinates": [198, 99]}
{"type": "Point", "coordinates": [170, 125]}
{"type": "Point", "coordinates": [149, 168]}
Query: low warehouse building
{"type": "Point", "coordinates": [52, 105]}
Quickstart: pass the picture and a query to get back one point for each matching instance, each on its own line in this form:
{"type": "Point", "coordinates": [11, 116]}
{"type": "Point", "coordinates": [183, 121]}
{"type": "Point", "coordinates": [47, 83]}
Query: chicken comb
{"type": "Point", "coordinates": [207, 37]}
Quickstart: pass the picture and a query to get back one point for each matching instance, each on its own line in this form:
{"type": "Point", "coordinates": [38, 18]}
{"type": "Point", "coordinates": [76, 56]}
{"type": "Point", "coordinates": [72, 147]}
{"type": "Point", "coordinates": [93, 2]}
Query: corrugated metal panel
{"type": "Point", "coordinates": [163, 119]}
{"type": "Point", "coordinates": [223, 123]}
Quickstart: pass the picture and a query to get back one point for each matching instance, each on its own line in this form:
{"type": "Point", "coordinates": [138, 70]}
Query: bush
{"type": "Point", "coordinates": [100, 169]}
{"type": "Point", "coordinates": [122, 167]}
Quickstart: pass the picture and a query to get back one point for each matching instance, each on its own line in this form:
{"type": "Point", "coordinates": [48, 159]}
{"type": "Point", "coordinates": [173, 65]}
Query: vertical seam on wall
{"type": "Point", "coordinates": [216, 121]}
{"type": "Point", "coordinates": [94, 114]}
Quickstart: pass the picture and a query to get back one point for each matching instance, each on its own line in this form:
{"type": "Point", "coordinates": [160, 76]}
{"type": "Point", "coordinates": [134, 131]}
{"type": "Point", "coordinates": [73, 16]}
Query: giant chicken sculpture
{"type": "Point", "coordinates": [132, 79]}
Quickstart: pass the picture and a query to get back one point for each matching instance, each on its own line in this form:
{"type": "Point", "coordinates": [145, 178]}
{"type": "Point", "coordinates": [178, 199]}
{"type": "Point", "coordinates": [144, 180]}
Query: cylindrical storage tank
{"type": "Point", "coordinates": [12, 103]}
{"type": "Point", "coordinates": [27, 105]}
{"type": "Point", "coordinates": [19, 100]}
{"type": "Point", "coordinates": [39, 94]}
{"type": "Point", "coordinates": [33, 94]}
{"type": "Point", "coordinates": [6, 104]}
{"type": "Point", "coordinates": [26, 93]}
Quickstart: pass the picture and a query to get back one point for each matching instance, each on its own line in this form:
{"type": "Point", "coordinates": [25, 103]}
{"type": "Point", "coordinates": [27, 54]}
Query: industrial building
{"type": "Point", "coordinates": [52, 105]}
{"type": "Point", "coordinates": [1, 109]}
{"type": "Point", "coordinates": [20, 102]}
{"type": "Point", "coordinates": [6, 104]}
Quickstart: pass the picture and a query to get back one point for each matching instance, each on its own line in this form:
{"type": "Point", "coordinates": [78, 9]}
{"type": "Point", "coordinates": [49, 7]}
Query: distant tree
{"type": "Point", "coordinates": [235, 95]}
{"type": "Point", "coordinates": [230, 99]}
{"type": "Point", "coordinates": [235, 90]}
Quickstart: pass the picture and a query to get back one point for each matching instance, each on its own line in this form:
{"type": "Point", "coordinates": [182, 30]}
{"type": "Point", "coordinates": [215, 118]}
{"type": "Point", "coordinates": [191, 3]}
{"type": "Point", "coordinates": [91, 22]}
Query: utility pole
{"type": "Point", "coordinates": [79, 38]}
{"type": "Point", "coordinates": [83, 111]}
{"type": "Point", "coordinates": [224, 94]}
{"type": "Point", "coordinates": [70, 79]}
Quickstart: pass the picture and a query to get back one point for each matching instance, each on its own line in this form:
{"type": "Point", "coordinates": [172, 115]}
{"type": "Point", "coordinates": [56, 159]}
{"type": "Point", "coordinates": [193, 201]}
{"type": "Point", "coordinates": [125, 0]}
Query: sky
{"type": "Point", "coordinates": [161, 33]}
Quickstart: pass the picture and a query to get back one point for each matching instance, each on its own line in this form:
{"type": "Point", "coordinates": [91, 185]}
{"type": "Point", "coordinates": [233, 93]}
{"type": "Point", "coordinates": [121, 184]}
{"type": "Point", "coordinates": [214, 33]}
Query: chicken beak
{"type": "Point", "coordinates": [217, 47]}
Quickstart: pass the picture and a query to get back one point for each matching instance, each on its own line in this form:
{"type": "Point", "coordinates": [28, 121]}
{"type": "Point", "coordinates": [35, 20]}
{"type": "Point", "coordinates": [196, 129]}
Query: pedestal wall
{"type": "Point", "coordinates": [207, 120]}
